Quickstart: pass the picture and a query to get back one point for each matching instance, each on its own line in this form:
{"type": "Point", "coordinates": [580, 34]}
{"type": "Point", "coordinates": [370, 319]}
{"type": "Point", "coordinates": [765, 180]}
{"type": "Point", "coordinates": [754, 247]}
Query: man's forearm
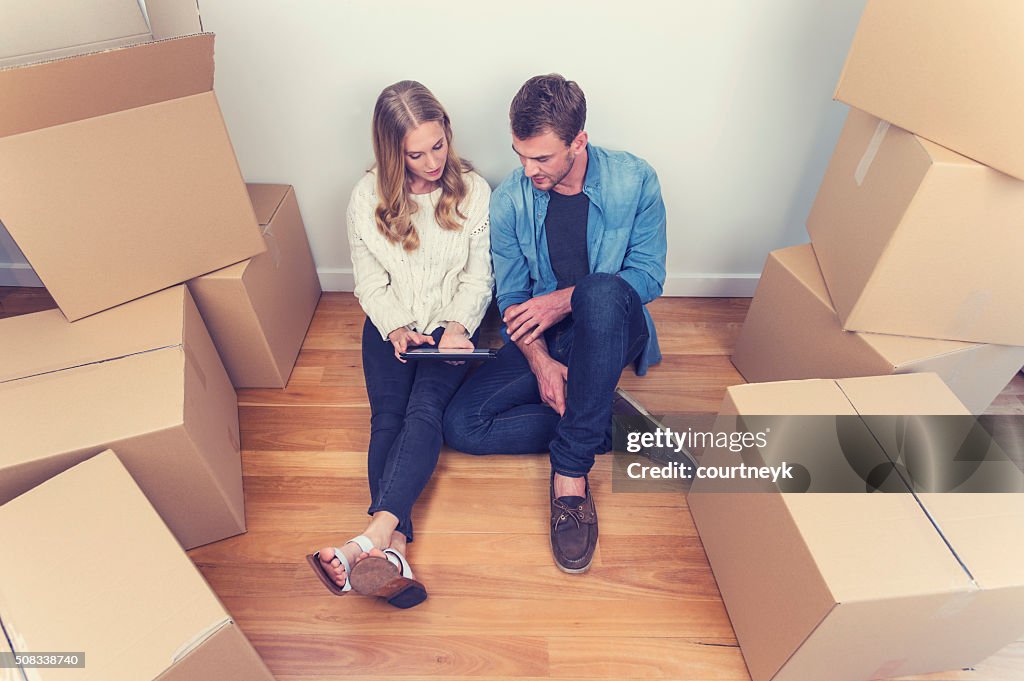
{"type": "Point", "coordinates": [536, 352]}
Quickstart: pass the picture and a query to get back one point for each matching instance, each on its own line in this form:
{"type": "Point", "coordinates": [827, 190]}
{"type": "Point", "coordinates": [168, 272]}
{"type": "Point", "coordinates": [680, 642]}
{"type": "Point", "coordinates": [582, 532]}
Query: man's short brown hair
{"type": "Point", "coordinates": [548, 103]}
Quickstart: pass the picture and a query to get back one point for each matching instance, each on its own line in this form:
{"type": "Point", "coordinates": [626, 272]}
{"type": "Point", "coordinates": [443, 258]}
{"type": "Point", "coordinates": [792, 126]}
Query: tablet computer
{"type": "Point", "coordinates": [449, 354]}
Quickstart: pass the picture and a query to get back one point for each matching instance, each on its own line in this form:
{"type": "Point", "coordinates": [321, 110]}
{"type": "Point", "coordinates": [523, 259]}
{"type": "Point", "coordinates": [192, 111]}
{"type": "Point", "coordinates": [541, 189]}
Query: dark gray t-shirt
{"type": "Point", "coordinates": [566, 227]}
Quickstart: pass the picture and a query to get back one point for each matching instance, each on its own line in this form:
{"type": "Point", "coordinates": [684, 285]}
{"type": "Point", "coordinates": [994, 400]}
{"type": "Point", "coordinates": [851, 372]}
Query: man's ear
{"type": "Point", "coordinates": [579, 142]}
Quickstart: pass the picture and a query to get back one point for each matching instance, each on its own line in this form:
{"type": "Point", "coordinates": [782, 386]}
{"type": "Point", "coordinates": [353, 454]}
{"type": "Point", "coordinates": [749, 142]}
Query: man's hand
{"type": "Point", "coordinates": [402, 338]}
{"type": "Point", "coordinates": [527, 321]}
{"type": "Point", "coordinates": [455, 336]}
{"type": "Point", "coordinates": [552, 376]}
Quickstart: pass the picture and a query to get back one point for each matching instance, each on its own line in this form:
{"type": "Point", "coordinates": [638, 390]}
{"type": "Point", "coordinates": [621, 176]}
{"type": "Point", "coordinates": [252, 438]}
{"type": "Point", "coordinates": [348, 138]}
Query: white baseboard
{"type": "Point", "coordinates": [710, 285]}
{"type": "Point", "coordinates": [340, 279]}
{"type": "Point", "coordinates": [336, 279]}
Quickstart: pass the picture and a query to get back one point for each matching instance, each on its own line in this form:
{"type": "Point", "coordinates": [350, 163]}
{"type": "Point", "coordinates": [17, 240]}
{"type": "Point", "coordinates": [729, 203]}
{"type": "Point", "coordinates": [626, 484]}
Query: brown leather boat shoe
{"type": "Point", "coordinates": [573, 530]}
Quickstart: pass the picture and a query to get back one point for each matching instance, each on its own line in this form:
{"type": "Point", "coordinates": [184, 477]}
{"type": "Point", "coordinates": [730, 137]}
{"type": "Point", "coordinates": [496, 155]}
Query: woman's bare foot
{"type": "Point", "coordinates": [398, 542]}
{"type": "Point", "coordinates": [353, 554]}
{"type": "Point", "coordinates": [380, 532]}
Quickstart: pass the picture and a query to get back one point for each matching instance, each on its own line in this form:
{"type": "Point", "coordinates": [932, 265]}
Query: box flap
{"type": "Point", "coordinates": [265, 199]}
{"type": "Point", "coordinates": [871, 546]}
{"type": "Point", "coordinates": [983, 530]}
{"type": "Point", "coordinates": [127, 565]}
{"type": "Point", "coordinates": [814, 396]}
{"type": "Point", "coordinates": [968, 522]}
{"type": "Point", "coordinates": [45, 341]}
{"type": "Point", "coordinates": [940, 154]}
{"type": "Point", "coordinates": [902, 395]}
{"type": "Point", "coordinates": [32, 30]}
{"type": "Point", "coordinates": [802, 264]}
{"type": "Point", "coordinates": [170, 18]}
{"type": "Point", "coordinates": [95, 405]}
{"type": "Point", "coordinates": [902, 350]}
{"type": "Point", "coordinates": [67, 90]}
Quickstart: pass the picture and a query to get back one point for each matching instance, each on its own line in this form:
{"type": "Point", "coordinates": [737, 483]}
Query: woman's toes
{"type": "Point", "coordinates": [332, 564]}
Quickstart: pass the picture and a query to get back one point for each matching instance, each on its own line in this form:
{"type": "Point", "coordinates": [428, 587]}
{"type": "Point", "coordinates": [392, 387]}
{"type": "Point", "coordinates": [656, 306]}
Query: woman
{"type": "Point", "coordinates": [418, 232]}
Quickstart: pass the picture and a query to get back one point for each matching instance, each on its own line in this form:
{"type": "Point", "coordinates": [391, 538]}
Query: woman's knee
{"type": "Point", "coordinates": [386, 420]}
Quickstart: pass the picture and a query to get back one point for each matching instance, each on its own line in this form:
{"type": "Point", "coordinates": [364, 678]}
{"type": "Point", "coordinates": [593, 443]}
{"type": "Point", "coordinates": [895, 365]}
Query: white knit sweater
{"type": "Point", "coordinates": [448, 278]}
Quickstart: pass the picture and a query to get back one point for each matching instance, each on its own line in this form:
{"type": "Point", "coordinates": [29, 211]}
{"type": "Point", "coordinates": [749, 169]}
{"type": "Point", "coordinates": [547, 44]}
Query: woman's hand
{"type": "Point", "coordinates": [402, 338]}
{"type": "Point", "coordinates": [455, 337]}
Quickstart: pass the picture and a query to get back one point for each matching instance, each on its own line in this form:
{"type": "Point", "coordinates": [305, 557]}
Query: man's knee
{"type": "Point", "coordinates": [458, 425]}
{"type": "Point", "coordinates": [596, 293]}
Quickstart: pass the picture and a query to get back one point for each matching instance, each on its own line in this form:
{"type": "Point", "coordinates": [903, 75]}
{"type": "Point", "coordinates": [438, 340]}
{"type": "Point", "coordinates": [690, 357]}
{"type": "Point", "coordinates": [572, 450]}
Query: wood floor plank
{"type": "Point", "coordinates": [680, 659]}
{"type": "Point", "coordinates": [399, 655]}
{"type": "Point", "coordinates": [339, 616]}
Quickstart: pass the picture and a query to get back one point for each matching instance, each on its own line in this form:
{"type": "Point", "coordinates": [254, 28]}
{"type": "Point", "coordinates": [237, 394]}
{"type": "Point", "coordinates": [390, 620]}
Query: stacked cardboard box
{"type": "Point", "coordinates": [912, 238]}
{"type": "Point", "coordinates": [258, 310]}
{"type": "Point", "coordinates": [99, 576]}
{"type": "Point", "coordinates": [143, 377]}
{"type": "Point", "coordinates": [858, 586]}
{"type": "Point", "coordinates": [119, 184]}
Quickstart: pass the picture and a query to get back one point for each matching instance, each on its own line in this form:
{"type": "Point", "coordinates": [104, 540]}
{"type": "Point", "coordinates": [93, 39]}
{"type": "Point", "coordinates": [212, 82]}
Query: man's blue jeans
{"type": "Point", "coordinates": [407, 402]}
{"type": "Point", "coordinates": [499, 410]}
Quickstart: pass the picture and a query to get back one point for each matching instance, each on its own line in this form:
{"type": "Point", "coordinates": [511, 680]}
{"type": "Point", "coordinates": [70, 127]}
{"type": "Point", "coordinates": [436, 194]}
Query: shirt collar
{"type": "Point", "coordinates": [591, 181]}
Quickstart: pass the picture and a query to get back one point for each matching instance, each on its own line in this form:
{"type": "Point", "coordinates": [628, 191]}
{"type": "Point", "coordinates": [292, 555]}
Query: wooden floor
{"type": "Point", "coordinates": [498, 608]}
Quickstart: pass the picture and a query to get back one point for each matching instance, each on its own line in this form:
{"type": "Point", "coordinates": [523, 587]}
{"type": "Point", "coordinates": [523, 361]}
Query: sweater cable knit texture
{"type": "Point", "coordinates": [448, 278]}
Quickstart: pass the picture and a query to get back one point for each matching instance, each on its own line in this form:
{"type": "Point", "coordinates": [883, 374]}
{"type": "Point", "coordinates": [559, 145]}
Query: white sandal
{"type": "Point", "coordinates": [362, 541]}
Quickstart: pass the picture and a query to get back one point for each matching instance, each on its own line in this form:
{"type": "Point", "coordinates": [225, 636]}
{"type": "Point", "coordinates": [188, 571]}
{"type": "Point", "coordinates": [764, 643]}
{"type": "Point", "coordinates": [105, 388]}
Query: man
{"type": "Point", "coordinates": [578, 244]}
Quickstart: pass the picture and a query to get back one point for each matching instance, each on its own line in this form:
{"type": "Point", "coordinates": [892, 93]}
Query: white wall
{"type": "Point", "coordinates": [730, 101]}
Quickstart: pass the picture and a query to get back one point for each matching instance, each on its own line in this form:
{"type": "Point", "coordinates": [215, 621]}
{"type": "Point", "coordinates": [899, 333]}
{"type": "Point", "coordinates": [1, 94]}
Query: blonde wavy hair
{"type": "Point", "coordinates": [401, 108]}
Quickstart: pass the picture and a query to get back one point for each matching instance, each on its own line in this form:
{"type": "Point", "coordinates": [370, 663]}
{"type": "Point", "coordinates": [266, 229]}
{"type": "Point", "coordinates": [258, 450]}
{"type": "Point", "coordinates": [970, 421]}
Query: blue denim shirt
{"type": "Point", "coordinates": [625, 234]}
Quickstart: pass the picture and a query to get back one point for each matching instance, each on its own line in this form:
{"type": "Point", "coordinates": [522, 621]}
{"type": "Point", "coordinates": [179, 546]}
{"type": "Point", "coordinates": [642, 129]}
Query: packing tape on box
{"type": "Point", "coordinates": [198, 639]}
{"type": "Point", "coordinates": [272, 247]}
{"type": "Point", "coordinates": [869, 154]}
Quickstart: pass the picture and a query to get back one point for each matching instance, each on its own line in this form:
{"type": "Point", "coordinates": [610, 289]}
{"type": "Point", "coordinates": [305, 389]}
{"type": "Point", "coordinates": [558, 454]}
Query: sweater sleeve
{"type": "Point", "coordinates": [475, 281]}
{"type": "Point", "coordinates": [372, 280]}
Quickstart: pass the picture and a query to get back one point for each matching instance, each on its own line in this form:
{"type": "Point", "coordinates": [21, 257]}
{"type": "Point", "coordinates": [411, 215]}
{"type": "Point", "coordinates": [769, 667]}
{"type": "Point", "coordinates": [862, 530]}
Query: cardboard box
{"type": "Point", "coordinates": [857, 586]}
{"type": "Point", "coordinates": [45, 32]}
{"type": "Point", "coordinates": [144, 378]}
{"type": "Point", "coordinates": [947, 70]}
{"type": "Point", "coordinates": [91, 568]}
{"type": "Point", "coordinates": [791, 332]}
{"type": "Point", "coordinates": [916, 240]}
{"type": "Point", "coordinates": [258, 311]}
{"type": "Point", "coordinates": [117, 177]}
